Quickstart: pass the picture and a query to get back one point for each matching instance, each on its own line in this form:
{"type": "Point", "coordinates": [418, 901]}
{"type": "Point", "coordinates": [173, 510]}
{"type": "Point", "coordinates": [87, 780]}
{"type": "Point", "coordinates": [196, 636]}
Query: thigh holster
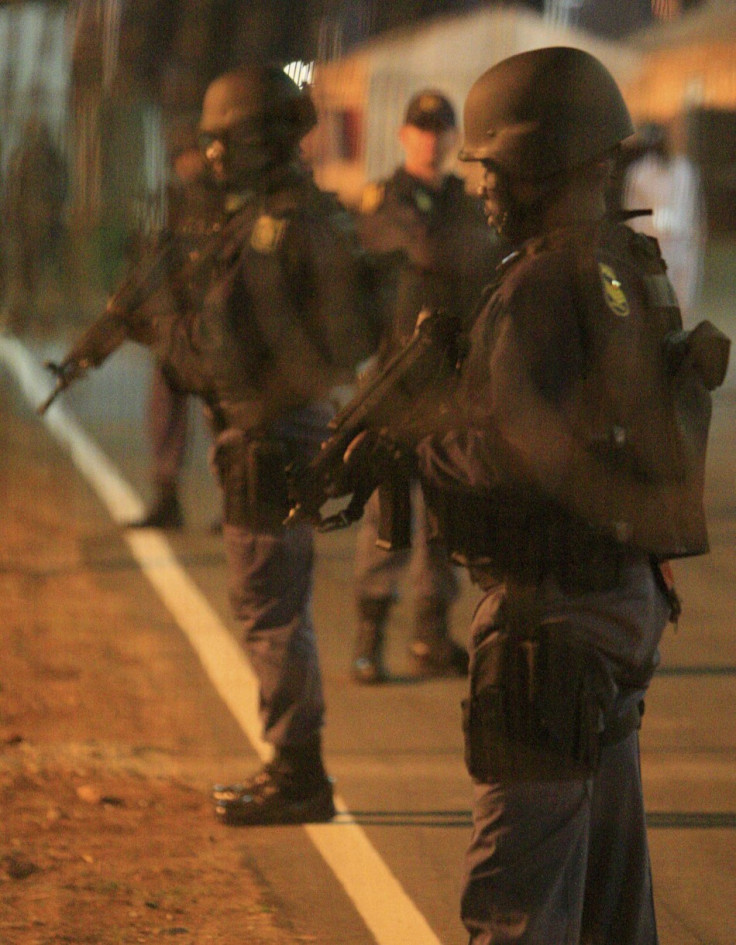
{"type": "Point", "coordinates": [252, 473]}
{"type": "Point", "coordinates": [537, 707]}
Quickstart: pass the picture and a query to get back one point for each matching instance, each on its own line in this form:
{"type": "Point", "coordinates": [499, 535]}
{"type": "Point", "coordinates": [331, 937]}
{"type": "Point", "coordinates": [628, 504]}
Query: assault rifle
{"type": "Point", "coordinates": [174, 261]}
{"type": "Point", "coordinates": [412, 389]}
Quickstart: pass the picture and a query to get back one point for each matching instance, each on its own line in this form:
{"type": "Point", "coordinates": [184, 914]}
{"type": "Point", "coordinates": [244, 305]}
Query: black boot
{"type": "Point", "coordinates": [166, 511]}
{"type": "Point", "coordinates": [368, 666]}
{"type": "Point", "coordinates": [292, 789]}
{"type": "Point", "coordinates": [433, 651]}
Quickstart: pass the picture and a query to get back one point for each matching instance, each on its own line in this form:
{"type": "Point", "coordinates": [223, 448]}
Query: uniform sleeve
{"type": "Point", "coordinates": [525, 360]}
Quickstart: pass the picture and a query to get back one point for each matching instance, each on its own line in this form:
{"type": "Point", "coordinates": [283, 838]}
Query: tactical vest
{"type": "Point", "coordinates": [282, 318]}
{"type": "Point", "coordinates": [635, 423]}
{"type": "Point", "coordinates": [642, 412]}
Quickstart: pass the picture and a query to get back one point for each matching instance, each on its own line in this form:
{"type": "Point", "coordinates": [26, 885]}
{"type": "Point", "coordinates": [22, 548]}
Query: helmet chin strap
{"type": "Point", "coordinates": [270, 175]}
{"type": "Point", "coordinates": [520, 219]}
{"type": "Point", "coordinates": [517, 220]}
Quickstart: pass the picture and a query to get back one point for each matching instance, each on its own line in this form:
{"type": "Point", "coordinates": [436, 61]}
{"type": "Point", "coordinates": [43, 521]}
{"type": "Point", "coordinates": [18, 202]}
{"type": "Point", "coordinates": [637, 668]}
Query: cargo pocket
{"type": "Point", "coordinates": [252, 474]}
{"type": "Point", "coordinates": [536, 708]}
{"type": "Point", "coordinates": [497, 715]}
{"type": "Point", "coordinates": [576, 692]}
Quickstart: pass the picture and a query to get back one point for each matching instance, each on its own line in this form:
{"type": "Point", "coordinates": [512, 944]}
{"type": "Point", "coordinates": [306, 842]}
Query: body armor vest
{"type": "Point", "coordinates": [614, 462]}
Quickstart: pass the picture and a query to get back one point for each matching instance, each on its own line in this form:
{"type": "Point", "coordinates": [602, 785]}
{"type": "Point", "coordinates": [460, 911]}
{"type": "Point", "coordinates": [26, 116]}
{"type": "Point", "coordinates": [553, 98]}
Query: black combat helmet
{"type": "Point", "coordinates": [257, 93]}
{"type": "Point", "coordinates": [253, 119]}
{"type": "Point", "coordinates": [542, 112]}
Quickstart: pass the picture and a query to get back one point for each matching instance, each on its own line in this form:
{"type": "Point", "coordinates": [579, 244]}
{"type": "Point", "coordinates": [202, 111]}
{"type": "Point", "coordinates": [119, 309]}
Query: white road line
{"type": "Point", "coordinates": [378, 896]}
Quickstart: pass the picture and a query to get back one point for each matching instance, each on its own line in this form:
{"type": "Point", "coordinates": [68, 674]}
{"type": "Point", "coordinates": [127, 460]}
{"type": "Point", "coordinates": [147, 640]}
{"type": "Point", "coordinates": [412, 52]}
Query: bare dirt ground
{"type": "Point", "coordinates": [106, 831]}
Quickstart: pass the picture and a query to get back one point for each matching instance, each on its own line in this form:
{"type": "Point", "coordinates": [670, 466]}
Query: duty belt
{"type": "Point", "coordinates": [501, 538]}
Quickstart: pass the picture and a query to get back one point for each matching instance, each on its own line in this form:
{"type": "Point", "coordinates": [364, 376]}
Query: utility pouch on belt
{"type": "Point", "coordinates": [252, 473]}
{"type": "Point", "coordinates": [537, 707]}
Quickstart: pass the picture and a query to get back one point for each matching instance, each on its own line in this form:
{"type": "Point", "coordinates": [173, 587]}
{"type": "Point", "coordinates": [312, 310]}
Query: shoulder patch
{"type": "Point", "coordinates": [267, 232]}
{"type": "Point", "coordinates": [372, 198]}
{"type": "Point", "coordinates": [612, 291]}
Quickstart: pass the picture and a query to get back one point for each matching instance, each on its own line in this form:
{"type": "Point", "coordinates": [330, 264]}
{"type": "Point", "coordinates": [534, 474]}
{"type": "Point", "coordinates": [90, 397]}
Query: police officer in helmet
{"type": "Point", "coordinates": [252, 122]}
{"type": "Point", "coordinates": [561, 489]}
{"type": "Point", "coordinates": [283, 320]}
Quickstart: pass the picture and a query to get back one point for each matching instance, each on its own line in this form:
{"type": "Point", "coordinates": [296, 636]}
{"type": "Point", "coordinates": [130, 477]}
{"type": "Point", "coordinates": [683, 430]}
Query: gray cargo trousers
{"type": "Point", "coordinates": [270, 574]}
{"type": "Point", "coordinates": [564, 860]}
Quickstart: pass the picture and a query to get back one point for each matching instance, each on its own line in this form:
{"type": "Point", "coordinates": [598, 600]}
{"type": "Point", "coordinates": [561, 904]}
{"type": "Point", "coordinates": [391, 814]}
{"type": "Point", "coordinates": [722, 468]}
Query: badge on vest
{"type": "Point", "coordinates": [267, 233]}
{"type": "Point", "coordinates": [612, 291]}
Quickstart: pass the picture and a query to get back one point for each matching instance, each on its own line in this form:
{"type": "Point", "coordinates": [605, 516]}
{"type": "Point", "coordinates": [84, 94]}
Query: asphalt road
{"type": "Point", "coordinates": [396, 750]}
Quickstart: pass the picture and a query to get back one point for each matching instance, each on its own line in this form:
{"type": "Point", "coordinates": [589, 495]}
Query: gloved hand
{"type": "Point", "coordinates": [369, 460]}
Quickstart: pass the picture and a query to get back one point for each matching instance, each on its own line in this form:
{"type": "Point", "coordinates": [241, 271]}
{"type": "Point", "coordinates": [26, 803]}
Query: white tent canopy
{"type": "Point", "coordinates": [376, 81]}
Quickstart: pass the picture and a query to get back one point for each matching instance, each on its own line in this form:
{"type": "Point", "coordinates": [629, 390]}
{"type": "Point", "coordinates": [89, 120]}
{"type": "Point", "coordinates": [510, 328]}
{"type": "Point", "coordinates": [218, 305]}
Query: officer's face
{"type": "Point", "coordinates": [493, 193]}
{"type": "Point", "coordinates": [426, 152]}
{"type": "Point", "coordinates": [236, 156]}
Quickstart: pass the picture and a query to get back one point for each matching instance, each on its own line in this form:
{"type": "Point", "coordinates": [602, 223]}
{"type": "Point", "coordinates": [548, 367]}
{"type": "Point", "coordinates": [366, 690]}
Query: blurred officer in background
{"type": "Point", "coordinates": [563, 487]}
{"type": "Point", "coordinates": [429, 240]}
{"type": "Point", "coordinates": [195, 211]}
{"type": "Point", "coordinates": [283, 321]}
{"type": "Point", "coordinates": [664, 180]}
{"type": "Point", "coordinates": [35, 232]}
